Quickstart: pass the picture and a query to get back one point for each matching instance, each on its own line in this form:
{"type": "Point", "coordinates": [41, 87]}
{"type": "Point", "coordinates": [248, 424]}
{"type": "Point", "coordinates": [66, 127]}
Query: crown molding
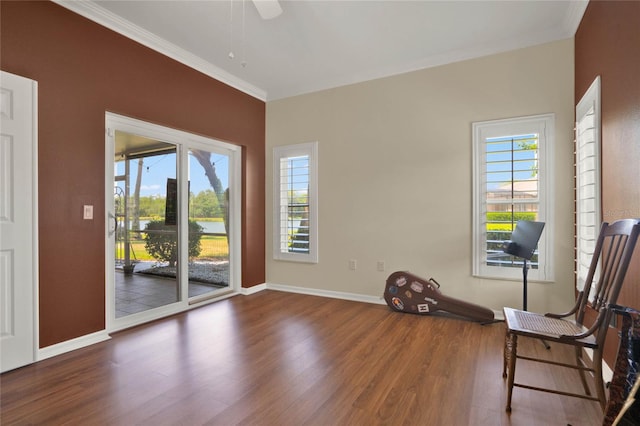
{"type": "Point", "coordinates": [102, 16]}
{"type": "Point", "coordinates": [573, 17]}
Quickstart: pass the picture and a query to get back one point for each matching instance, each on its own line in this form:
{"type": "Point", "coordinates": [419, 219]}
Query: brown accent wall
{"type": "Point", "coordinates": [84, 70]}
{"type": "Point", "coordinates": [607, 43]}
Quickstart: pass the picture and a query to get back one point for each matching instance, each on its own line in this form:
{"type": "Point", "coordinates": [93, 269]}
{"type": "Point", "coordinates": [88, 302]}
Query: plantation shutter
{"type": "Point", "coordinates": [512, 181]}
{"type": "Point", "coordinates": [511, 192]}
{"type": "Point", "coordinates": [295, 217]}
{"type": "Point", "coordinates": [587, 180]}
{"type": "Point", "coordinates": [294, 204]}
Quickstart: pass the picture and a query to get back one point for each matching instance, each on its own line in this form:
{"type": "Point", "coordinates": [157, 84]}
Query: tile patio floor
{"type": "Point", "coordinates": [137, 292]}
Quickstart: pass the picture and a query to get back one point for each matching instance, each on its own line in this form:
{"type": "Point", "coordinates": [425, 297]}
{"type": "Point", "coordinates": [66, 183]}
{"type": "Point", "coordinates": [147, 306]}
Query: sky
{"type": "Point", "coordinates": [499, 160]}
{"type": "Point", "coordinates": [157, 169]}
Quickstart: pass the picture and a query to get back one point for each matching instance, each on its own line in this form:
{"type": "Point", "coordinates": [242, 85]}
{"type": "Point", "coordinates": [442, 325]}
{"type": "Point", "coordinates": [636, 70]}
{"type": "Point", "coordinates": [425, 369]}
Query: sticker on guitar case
{"type": "Point", "coordinates": [423, 308]}
{"type": "Point", "coordinates": [417, 287]}
{"type": "Point", "coordinates": [397, 303]}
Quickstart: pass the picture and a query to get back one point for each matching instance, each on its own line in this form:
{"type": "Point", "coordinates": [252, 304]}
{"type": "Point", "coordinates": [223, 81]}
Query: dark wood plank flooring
{"type": "Point", "coordinates": [276, 358]}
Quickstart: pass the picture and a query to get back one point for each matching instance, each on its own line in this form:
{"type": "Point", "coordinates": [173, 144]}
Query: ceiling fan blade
{"type": "Point", "coordinates": [268, 9]}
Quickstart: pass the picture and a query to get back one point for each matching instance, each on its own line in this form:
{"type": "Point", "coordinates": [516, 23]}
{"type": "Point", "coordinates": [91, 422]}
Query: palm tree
{"type": "Point", "coordinates": [204, 158]}
{"type": "Point", "coordinates": [136, 199]}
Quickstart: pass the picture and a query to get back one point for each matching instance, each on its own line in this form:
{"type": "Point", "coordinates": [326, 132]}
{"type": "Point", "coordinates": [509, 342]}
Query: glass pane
{"type": "Point", "coordinates": [511, 193]}
{"type": "Point", "coordinates": [208, 222]}
{"type": "Point", "coordinates": [297, 196]}
{"type": "Point", "coordinates": [146, 236]}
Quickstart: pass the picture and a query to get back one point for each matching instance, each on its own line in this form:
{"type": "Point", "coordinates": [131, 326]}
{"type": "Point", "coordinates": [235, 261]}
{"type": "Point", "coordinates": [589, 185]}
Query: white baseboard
{"type": "Point", "coordinates": [72, 345]}
{"type": "Point", "coordinates": [327, 293]}
{"type": "Point", "coordinates": [251, 290]}
{"type": "Point", "coordinates": [377, 300]}
{"type": "Point", "coordinates": [607, 372]}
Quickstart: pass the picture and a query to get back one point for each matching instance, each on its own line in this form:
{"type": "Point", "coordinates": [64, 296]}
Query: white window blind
{"type": "Point", "coordinates": [511, 183]}
{"type": "Point", "coordinates": [587, 180]}
{"type": "Point", "coordinates": [511, 192]}
{"type": "Point", "coordinates": [295, 203]}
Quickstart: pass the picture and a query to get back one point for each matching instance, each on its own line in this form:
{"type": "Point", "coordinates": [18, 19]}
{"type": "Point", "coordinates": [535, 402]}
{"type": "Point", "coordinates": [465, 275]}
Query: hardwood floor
{"type": "Point", "coordinates": [276, 358]}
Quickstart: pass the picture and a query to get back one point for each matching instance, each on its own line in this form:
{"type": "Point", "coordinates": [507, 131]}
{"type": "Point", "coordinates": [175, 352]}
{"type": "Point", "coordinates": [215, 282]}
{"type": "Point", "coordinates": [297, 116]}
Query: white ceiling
{"type": "Point", "coordinates": [316, 45]}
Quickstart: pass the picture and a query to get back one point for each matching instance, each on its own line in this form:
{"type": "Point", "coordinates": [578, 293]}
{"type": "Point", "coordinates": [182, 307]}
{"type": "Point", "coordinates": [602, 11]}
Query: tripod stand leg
{"type": "Point", "coordinates": [524, 285]}
{"type": "Point", "coordinates": [524, 296]}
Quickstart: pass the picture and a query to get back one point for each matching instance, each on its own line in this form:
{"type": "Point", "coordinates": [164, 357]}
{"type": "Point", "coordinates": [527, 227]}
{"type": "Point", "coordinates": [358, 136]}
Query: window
{"type": "Point", "coordinates": [511, 182]}
{"type": "Point", "coordinates": [295, 202]}
{"type": "Point", "coordinates": [587, 179]}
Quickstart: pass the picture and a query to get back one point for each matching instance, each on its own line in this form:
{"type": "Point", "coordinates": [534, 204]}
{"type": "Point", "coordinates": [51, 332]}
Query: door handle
{"type": "Point", "coordinates": [115, 224]}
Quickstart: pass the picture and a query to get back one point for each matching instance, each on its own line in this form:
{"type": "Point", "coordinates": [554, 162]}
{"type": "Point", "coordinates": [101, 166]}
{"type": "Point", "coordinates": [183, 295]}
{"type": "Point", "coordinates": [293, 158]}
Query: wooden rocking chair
{"type": "Point", "coordinates": [609, 264]}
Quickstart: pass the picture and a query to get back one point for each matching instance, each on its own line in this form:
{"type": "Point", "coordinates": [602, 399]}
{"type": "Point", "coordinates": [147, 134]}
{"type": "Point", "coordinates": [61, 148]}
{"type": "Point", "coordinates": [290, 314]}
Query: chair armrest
{"type": "Point", "coordinates": [582, 335]}
{"type": "Point", "coordinates": [603, 316]}
{"type": "Point", "coordinates": [558, 316]}
{"type": "Point", "coordinates": [567, 314]}
{"type": "Point", "coordinates": [622, 310]}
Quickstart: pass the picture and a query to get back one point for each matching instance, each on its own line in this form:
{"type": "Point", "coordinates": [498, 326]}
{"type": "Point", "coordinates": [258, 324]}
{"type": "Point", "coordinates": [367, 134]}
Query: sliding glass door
{"type": "Point", "coordinates": [173, 221]}
{"type": "Point", "coordinates": [146, 238]}
{"type": "Point", "coordinates": [208, 222]}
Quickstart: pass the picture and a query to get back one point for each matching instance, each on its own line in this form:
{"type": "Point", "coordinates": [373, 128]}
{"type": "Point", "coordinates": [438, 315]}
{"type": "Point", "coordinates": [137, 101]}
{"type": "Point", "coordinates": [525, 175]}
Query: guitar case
{"type": "Point", "coordinates": [409, 293]}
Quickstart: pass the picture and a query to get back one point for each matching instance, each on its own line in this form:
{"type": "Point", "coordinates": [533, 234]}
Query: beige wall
{"type": "Point", "coordinates": [395, 173]}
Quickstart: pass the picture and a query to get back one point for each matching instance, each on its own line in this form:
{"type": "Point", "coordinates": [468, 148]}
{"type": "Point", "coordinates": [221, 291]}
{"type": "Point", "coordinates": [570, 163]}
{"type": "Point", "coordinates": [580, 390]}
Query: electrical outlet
{"type": "Point", "coordinates": [380, 266]}
{"type": "Point", "coordinates": [353, 264]}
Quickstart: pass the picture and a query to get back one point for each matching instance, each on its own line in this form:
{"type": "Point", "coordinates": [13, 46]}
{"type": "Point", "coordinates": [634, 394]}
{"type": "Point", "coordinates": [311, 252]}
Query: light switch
{"type": "Point", "coordinates": [87, 212]}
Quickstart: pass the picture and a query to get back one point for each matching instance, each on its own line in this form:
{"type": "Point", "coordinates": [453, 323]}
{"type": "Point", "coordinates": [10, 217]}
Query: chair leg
{"type": "Point", "coordinates": [512, 350]}
{"type": "Point", "coordinates": [599, 381]}
{"type": "Point", "coordinates": [505, 355]}
{"type": "Point", "coordinates": [580, 363]}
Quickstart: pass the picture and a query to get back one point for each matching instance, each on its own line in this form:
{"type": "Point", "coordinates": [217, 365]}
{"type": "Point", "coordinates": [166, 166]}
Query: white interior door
{"type": "Point", "coordinates": [18, 220]}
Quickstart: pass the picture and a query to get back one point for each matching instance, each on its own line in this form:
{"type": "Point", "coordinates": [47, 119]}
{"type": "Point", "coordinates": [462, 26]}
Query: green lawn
{"type": "Point", "coordinates": [213, 246]}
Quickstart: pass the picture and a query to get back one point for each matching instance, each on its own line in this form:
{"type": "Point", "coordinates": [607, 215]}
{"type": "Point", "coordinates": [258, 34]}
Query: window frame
{"type": "Point", "coordinates": [309, 149]}
{"type": "Point", "coordinates": [544, 126]}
